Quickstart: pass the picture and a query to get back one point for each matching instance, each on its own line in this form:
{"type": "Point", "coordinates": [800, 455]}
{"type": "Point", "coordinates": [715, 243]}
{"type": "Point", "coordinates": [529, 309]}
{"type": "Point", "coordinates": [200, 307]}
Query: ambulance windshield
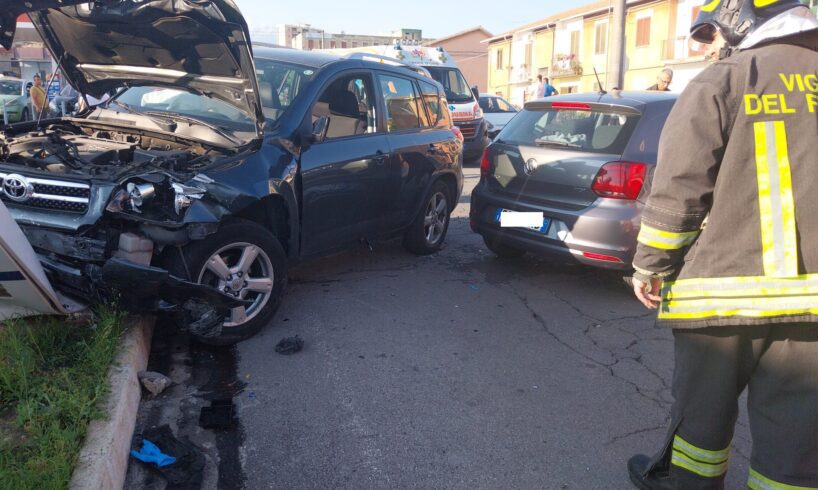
{"type": "Point", "coordinates": [456, 87]}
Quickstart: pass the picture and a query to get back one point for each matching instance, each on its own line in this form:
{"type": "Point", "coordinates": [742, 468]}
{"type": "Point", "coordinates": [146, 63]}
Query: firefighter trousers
{"type": "Point", "coordinates": [778, 364]}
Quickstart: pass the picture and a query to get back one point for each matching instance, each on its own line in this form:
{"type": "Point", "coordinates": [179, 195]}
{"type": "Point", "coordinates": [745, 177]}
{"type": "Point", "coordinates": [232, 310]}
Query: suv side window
{"type": "Point", "coordinates": [435, 106]}
{"type": "Point", "coordinates": [349, 104]}
{"type": "Point", "coordinates": [402, 111]}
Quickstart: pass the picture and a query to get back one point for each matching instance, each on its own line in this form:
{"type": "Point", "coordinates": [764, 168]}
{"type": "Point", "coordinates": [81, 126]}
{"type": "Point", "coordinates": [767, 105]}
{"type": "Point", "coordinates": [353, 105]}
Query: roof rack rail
{"type": "Point", "coordinates": [377, 58]}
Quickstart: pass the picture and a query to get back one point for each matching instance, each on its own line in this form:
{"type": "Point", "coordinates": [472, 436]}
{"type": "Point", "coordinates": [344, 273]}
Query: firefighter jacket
{"type": "Point", "coordinates": [739, 151]}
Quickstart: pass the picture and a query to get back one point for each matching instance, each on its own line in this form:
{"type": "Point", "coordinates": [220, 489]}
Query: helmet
{"type": "Point", "coordinates": [734, 19]}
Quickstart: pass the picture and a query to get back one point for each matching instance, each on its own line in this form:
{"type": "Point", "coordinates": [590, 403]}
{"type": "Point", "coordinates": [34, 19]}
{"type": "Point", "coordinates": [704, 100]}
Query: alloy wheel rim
{"type": "Point", "coordinates": [244, 271]}
{"type": "Point", "coordinates": [434, 220]}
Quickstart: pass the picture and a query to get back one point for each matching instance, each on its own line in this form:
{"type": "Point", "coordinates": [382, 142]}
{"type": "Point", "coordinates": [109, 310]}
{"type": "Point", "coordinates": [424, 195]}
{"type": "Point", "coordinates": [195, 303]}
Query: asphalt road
{"type": "Point", "coordinates": [457, 370]}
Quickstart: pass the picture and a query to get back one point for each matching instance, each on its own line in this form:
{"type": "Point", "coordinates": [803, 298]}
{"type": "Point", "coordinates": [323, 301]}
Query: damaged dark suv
{"type": "Point", "coordinates": [213, 167]}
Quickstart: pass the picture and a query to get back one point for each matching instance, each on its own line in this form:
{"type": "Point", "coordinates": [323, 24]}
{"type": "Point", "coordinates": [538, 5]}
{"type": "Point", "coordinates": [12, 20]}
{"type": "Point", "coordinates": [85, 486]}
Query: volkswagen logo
{"type": "Point", "coordinates": [530, 166]}
{"type": "Point", "coordinates": [17, 188]}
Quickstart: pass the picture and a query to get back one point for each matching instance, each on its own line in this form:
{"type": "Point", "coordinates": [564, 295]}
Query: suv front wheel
{"type": "Point", "coordinates": [428, 232]}
{"type": "Point", "coordinates": [244, 260]}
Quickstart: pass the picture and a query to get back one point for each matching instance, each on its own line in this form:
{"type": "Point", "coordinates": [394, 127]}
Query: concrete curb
{"type": "Point", "coordinates": [103, 459]}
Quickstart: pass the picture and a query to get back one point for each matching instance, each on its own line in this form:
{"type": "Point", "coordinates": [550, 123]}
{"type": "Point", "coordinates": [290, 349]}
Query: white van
{"type": "Point", "coordinates": [463, 103]}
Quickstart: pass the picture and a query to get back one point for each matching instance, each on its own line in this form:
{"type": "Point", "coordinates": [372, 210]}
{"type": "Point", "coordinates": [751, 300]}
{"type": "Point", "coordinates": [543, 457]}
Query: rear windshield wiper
{"type": "Point", "coordinates": [561, 144]}
{"type": "Point", "coordinates": [217, 129]}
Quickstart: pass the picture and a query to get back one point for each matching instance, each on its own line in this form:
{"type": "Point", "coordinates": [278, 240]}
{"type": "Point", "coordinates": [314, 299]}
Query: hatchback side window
{"type": "Point", "coordinates": [402, 111]}
{"type": "Point", "coordinates": [349, 105]}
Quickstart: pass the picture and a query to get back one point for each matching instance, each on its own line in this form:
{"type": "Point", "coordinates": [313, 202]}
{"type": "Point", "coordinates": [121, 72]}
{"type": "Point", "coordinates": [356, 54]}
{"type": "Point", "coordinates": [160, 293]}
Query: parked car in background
{"type": "Point", "coordinates": [563, 177]}
{"type": "Point", "coordinates": [191, 190]}
{"type": "Point", "coordinates": [14, 100]}
{"type": "Point", "coordinates": [497, 111]}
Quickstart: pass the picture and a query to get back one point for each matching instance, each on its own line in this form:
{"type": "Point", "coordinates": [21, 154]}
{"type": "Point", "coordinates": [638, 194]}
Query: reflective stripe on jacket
{"type": "Point", "coordinates": [739, 149]}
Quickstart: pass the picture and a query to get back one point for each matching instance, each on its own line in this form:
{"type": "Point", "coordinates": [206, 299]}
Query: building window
{"type": "Point", "coordinates": [500, 59]}
{"type": "Point", "coordinates": [343, 44]}
{"type": "Point", "coordinates": [332, 44]}
{"type": "Point", "coordinates": [310, 44]}
{"type": "Point", "coordinates": [528, 60]}
{"type": "Point", "coordinates": [574, 42]}
{"type": "Point", "coordinates": [695, 48]}
{"type": "Point", "coordinates": [643, 31]}
{"type": "Point", "coordinates": [601, 38]}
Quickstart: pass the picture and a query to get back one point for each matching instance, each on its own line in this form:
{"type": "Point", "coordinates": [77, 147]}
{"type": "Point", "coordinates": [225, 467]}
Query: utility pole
{"type": "Point", "coordinates": [616, 68]}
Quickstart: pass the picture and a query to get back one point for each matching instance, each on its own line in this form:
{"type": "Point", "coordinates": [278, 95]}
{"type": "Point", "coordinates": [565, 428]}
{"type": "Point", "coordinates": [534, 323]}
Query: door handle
{"type": "Point", "coordinates": [380, 157]}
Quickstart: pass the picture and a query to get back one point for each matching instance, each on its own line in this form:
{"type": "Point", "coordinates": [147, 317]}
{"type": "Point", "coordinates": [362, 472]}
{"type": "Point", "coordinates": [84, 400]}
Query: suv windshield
{"type": "Point", "coordinates": [10, 88]}
{"type": "Point", "coordinates": [457, 90]}
{"type": "Point", "coordinates": [177, 101]}
{"type": "Point", "coordinates": [279, 84]}
{"type": "Point", "coordinates": [579, 130]}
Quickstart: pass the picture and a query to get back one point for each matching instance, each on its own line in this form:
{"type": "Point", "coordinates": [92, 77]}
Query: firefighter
{"type": "Point", "coordinates": [728, 251]}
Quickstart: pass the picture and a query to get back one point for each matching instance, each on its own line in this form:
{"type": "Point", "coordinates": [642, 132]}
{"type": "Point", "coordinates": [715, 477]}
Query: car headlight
{"type": "Point", "coordinates": [184, 196]}
{"type": "Point", "coordinates": [139, 195]}
{"type": "Point", "coordinates": [13, 103]}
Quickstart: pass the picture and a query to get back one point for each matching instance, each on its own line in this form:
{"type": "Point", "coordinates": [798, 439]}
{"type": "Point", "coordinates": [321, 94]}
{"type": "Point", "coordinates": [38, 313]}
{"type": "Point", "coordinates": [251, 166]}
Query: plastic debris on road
{"type": "Point", "coordinates": [290, 345]}
{"type": "Point", "coordinates": [150, 453]}
{"type": "Point", "coordinates": [154, 382]}
{"type": "Point", "coordinates": [188, 469]}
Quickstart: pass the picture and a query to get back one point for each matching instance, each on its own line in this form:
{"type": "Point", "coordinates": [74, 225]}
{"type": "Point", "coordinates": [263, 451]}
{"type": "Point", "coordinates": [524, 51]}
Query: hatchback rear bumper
{"type": "Point", "coordinates": [601, 235]}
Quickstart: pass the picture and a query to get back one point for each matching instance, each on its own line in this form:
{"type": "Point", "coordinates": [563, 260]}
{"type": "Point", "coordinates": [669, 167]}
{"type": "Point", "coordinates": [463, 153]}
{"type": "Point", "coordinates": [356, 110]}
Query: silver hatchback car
{"type": "Point", "coordinates": [566, 176]}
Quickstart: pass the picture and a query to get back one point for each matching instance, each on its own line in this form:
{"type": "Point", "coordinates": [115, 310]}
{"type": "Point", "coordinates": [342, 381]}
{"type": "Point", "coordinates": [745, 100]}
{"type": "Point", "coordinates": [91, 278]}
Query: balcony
{"type": "Point", "coordinates": [566, 65]}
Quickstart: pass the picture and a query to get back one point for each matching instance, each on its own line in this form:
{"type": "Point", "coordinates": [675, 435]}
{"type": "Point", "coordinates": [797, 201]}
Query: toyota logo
{"type": "Point", "coordinates": [17, 188]}
{"type": "Point", "coordinates": [530, 166]}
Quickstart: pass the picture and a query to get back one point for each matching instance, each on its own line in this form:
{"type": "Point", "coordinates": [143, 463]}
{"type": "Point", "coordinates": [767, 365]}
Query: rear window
{"type": "Point", "coordinates": [580, 130]}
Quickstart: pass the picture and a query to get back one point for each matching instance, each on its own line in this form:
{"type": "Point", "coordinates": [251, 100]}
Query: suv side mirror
{"type": "Point", "coordinates": [319, 129]}
{"type": "Point", "coordinates": [476, 91]}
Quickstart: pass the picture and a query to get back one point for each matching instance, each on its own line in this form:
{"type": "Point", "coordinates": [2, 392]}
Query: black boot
{"type": "Point", "coordinates": [656, 479]}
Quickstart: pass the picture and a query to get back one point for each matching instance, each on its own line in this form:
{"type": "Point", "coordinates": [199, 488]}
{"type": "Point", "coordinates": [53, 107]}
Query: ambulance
{"type": "Point", "coordinates": [463, 105]}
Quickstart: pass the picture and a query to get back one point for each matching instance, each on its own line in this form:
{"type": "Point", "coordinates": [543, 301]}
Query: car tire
{"type": "Point", "coordinates": [502, 250]}
{"type": "Point", "coordinates": [427, 232]}
{"type": "Point", "coordinates": [25, 115]}
{"type": "Point", "coordinates": [266, 263]}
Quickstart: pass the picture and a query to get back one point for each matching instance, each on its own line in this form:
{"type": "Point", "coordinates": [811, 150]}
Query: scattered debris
{"type": "Point", "coordinates": [150, 453]}
{"type": "Point", "coordinates": [219, 415]}
{"type": "Point", "coordinates": [154, 382]}
{"type": "Point", "coordinates": [474, 287]}
{"type": "Point", "coordinates": [187, 470]}
{"type": "Point", "coordinates": [290, 345]}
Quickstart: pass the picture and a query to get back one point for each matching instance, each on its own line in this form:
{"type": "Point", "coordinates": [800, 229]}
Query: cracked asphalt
{"type": "Point", "coordinates": [457, 370]}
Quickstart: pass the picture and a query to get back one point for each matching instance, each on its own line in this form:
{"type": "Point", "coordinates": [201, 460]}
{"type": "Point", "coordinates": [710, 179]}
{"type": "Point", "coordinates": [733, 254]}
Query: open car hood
{"type": "Point", "coordinates": [199, 45]}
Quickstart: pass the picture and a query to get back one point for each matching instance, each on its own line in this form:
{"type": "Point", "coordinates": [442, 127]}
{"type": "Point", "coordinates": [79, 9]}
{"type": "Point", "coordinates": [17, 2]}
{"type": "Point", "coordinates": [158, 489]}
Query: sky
{"type": "Point", "coordinates": [437, 18]}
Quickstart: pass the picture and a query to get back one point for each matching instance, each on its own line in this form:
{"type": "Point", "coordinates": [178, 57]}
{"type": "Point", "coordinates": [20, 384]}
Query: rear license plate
{"type": "Point", "coordinates": [516, 219]}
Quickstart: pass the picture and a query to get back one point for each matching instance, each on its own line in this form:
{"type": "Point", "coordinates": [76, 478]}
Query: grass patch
{"type": "Point", "coordinates": [53, 381]}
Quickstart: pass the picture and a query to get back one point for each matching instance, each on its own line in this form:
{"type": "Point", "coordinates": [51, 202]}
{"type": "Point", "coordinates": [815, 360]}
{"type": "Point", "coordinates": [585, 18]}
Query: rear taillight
{"type": "Point", "coordinates": [457, 133]}
{"type": "Point", "coordinates": [577, 106]}
{"type": "Point", "coordinates": [620, 180]}
{"type": "Point", "coordinates": [485, 163]}
{"type": "Point", "coordinates": [604, 258]}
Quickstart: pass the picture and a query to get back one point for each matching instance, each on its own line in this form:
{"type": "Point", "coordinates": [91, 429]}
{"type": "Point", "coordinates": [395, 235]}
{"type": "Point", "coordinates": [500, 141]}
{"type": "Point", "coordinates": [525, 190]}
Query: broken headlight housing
{"type": "Point", "coordinates": [159, 200]}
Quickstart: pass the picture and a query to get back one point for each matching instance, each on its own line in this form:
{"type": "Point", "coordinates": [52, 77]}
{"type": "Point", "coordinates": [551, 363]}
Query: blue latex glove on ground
{"type": "Point", "coordinates": [150, 453]}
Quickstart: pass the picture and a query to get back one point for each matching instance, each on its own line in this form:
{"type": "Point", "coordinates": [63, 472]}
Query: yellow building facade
{"type": "Point", "coordinates": [569, 46]}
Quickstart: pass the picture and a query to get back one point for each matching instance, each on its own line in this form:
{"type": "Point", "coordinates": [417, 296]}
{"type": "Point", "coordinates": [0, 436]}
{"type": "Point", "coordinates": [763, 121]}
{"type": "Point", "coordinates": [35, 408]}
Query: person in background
{"type": "Point", "coordinates": [663, 81]}
{"type": "Point", "coordinates": [39, 101]}
{"type": "Point", "coordinates": [68, 95]}
{"type": "Point", "coordinates": [548, 89]}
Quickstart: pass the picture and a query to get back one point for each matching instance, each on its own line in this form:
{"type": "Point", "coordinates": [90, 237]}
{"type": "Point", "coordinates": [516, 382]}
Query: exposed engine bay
{"type": "Point", "coordinates": [100, 153]}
